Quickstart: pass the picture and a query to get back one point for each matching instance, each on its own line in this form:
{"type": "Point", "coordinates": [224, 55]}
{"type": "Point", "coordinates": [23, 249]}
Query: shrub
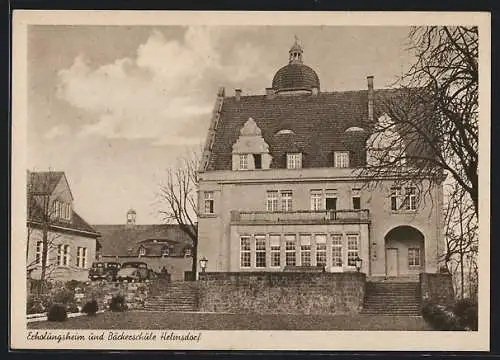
{"type": "Point", "coordinates": [90, 307]}
{"type": "Point", "coordinates": [466, 311]}
{"type": "Point", "coordinates": [440, 317]}
{"type": "Point", "coordinates": [57, 312]}
{"type": "Point", "coordinates": [34, 305]}
{"type": "Point", "coordinates": [63, 296]}
{"type": "Point", "coordinates": [73, 284]}
{"type": "Point", "coordinates": [72, 308]}
{"type": "Point", "coordinates": [118, 303]}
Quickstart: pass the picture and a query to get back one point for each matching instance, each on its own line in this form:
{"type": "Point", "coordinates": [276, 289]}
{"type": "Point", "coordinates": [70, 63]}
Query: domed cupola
{"type": "Point", "coordinates": [295, 77]}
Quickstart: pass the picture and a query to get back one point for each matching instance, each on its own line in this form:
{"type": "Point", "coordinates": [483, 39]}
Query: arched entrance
{"type": "Point", "coordinates": [404, 251]}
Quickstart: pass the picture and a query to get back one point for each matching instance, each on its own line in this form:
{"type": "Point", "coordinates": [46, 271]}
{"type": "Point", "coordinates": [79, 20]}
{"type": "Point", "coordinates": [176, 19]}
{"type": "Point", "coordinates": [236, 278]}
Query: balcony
{"type": "Point", "coordinates": [301, 217]}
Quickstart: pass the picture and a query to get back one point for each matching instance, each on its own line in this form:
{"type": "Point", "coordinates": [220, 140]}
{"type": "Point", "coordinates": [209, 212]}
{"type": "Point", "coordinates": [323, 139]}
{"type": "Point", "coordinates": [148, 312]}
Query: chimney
{"type": "Point", "coordinates": [370, 98]}
{"type": "Point", "coordinates": [315, 91]}
{"type": "Point", "coordinates": [237, 94]}
{"type": "Point", "coordinates": [270, 93]}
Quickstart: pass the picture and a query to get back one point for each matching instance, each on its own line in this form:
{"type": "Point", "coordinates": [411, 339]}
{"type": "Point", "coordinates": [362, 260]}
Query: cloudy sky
{"type": "Point", "coordinates": [114, 106]}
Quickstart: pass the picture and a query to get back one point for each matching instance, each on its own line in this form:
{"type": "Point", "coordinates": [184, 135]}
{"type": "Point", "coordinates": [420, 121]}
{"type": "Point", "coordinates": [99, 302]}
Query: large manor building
{"type": "Point", "coordinates": [279, 185]}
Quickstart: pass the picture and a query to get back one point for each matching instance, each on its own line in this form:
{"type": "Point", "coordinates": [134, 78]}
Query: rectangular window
{"type": "Point", "coordinates": [290, 254]}
{"type": "Point", "coordinates": [272, 201]}
{"type": "Point", "coordinates": [286, 201]}
{"type": "Point", "coordinates": [60, 255]}
{"type": "Point", "coordinates": [320, 241]}
{"type": "Point", "coordinates": [305, 250]}
{"type": "Point", "coordinates": [84, 257]}
{"type": "Point", "coordinates": [337, 250]}
{"type": "Point", "coordinates": [411, 198]}
{"type": "Point", "coordinates": [356, 199]}
{"type": "Point", "coordinates": [81, 257]}
{"type": "Point", "coordinates": [341, 159]}
{"type": "Point", "coordinates": [63, 255]}
{"type": "Point", "coordinates": [316, 200]}
{"type": "Point", "coordinates": [243, 161]}
{"type": "Point", "coordinates": [294, 161]}
{"type": "Point", "coordinates": [413, 256]}
{"type": "Point", "coordinates": [257, 158]}
{"type": "Point", "coordinates": [39, 251]}
{"type": "Point", "coordinates": [395, 199]}
{"type": "Point", "coordinates": [245, 252]}
{"type": "Point", "coordinates": [352, 249]}
{"type": "Point", "coordinates": [260, 251]}
{"type": "Point", "coordinates": [275, 250]}
{"type": "Point", "coordinates": [66, 255]}
{"type": "Point", "coordinates": [209, 202]}
{"type": "Point", "coordinates": [331, 200]}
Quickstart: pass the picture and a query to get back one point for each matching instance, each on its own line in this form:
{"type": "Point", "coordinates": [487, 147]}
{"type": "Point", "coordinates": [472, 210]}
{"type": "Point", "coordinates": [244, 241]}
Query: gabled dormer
{"type": "Point", "coordinates": [62, 200]}
{"type": "Point", "coordinates": [250, 151]}
{"type": "Point", "coordinates": [49, 195]}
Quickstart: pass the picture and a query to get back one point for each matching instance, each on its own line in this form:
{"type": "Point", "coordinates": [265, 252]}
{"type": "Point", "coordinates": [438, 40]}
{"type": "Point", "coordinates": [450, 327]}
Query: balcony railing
{"type": "Point", "coordinates": [300, 217]}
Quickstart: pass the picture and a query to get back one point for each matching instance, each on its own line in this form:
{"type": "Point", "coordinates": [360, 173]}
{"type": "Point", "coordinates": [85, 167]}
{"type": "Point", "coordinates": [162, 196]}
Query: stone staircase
{"type": "Point", "coordinates": [176, 296]}
{"type": "Point", "coordinates": [395, 298]}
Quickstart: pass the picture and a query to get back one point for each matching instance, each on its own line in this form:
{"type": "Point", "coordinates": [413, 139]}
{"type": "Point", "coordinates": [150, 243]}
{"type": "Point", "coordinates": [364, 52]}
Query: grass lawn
{"type": "Point", "coordinates": [210, 321]}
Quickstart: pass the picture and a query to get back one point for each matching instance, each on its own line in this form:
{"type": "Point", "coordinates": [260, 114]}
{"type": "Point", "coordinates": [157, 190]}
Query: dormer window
{"type": "Point", "coordinates": [61, 210]}
{"type": "Point", "coordinates": [250, 151]}
{"type": "Point", "coordinates": [165, 251]}
{"type": "Point", "coordinates": [341, 159]}
{"type": "Point", "coordinates": [293, 160]}
{"type": "Point", "coordinates": [142, 251]}
{"type": "Point", "coordinates": [257, 160]}
{"type": "Point", "coordinates": [285, 131]}
{"type": "Point", "coordinates": [243, 161]}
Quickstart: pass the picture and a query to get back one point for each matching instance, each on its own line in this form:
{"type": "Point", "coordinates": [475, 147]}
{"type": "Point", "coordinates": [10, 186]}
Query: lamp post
{"type": "Point", "coordinates": [203, 264]}
{"type": "Point", "coordinates": [358, 262]}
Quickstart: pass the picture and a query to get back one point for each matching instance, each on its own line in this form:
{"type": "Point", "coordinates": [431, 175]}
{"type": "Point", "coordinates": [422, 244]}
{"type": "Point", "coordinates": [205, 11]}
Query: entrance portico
{"type": "Point", "coordinates": [404, 252]}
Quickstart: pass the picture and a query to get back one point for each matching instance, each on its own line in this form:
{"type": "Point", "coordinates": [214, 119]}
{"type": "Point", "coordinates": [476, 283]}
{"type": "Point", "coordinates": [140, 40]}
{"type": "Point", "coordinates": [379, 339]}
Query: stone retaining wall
{"type": "Point", "coordinates": [282, 292]}
{"type": "Point", "coordinates": [135, 294]}
{"type": "Point", "coordinates": [437, 288]}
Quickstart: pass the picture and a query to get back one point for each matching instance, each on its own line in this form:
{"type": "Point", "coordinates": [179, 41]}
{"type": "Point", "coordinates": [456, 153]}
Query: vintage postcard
{"type": "Point", "coordinates": [260, 180]}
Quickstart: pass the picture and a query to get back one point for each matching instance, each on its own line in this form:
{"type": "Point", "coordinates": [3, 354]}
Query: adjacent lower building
{"type": "Point", "coordinates": [55, 228]}
{"type": "Point", "coordinates": [161, 246]}
{"type": "Point", "coordinates": [280, 187]}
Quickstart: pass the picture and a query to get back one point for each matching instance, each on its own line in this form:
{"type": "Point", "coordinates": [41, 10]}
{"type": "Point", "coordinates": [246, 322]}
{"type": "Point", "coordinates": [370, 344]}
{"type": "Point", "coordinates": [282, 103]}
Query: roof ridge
{"type": "Point", "coordinates": [277, 96]}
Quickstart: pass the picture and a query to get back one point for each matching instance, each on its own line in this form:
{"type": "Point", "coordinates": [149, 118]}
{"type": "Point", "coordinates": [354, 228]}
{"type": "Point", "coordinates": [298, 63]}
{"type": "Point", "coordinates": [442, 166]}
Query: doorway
{"type": "Point", "coordinates": [392, 262]}
{"type": "Point", "coordinates": [405, 251]}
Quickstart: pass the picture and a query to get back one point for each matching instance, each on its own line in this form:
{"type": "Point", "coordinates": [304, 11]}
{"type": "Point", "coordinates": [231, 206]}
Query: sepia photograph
{"type": "Point", "coordinates": [222, 180]}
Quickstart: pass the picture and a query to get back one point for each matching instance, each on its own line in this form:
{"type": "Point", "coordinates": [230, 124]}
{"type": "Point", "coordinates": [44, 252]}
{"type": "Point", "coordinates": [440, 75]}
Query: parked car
{"type": "Point", "coordinates": [133, 271]}
{"type": "Point", "coordinates": [104, 270]}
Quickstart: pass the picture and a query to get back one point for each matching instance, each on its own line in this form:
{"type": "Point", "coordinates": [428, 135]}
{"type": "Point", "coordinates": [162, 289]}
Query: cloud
{"type": "Point", "coordinates": [57, 131]}
{"type": "Point", "coordinates": [157, 93]}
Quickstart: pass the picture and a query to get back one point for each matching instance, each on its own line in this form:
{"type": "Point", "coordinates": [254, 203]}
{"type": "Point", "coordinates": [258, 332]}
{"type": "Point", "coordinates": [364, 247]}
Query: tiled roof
{"type": "Point", "coordinates": [318, 121]}
{"type": "Point", "coordinates": [295, 76]}
{"type": "Point", "coordinates": [44, 182]}
{"type": "Point", "coordinates": [116, 240]}
{"type": "Point", "coordinates": [80, 224]}
{"type": "Point", "coordinates": [77, 223]}
{"type": "Point", "coordinates": [156, 248]}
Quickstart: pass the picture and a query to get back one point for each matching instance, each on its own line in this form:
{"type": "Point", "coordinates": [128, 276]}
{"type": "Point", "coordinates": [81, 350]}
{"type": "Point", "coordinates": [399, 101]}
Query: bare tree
{"type": "Point", "coordinates": [431, 128]}
{"type": "Point", "coordinates": [179, 194]}
{"type": "Point", "coordinates": [461, 235]}
{"type": "Point", "coordinates": [42, 215]}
